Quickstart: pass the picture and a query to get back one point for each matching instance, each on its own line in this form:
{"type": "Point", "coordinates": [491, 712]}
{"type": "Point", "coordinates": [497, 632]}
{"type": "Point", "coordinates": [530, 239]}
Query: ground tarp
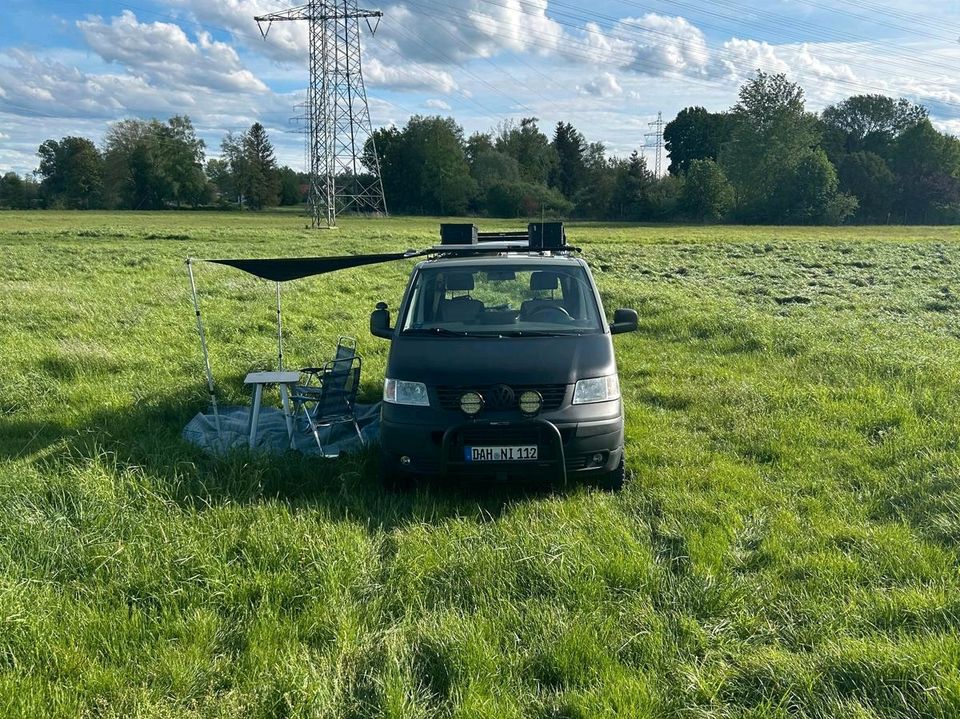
{"type": "Point", "coordinates": [272, 433]}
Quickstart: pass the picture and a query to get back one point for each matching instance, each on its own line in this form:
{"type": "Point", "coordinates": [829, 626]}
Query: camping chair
{"type": "Point", "coordinates": [328, 396]}
{"type": "Point", "coordinates": [346, 348]}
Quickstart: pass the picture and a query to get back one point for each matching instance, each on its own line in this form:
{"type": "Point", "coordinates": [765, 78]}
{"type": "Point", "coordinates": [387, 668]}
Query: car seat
{"type": "Point", "coordinates": [541, 282]}
{"type": "Point", "coordinates": [462, 308]}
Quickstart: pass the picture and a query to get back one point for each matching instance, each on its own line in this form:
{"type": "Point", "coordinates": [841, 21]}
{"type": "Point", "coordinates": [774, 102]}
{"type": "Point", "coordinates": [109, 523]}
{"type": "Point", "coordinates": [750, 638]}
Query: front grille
{"type": "Point", "coordinates": [553, 395]}
{"type": "Point", "coordinates": [499, 436]}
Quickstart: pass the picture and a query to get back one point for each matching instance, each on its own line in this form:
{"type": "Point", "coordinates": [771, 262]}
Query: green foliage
{"type": "Point", "coordinates": [570, 172]}
{"type": "Point", "coordinates": [695, 134]}
{"type": "Point", "coordinates": [786, 544]}
{"type": "Point", "coordinates": [867, 123]}
{"type": "Point", "coordinates": [424, 166]}
{"type": "Point", "coordinates": [261, 187]}
{"type": "Point", "coordinates": [532, 150]}
{"type": "Point", "coordinates": [633, 190]}
{"type": "Point", "coordinates": [18, 193]}
{"type": "Point", "coordinates": [867, 176]}
{"type": "Point", "coordinates": [72, 172]}
{"type": "Point", "coordinates": [523, 199]}
{"type": "Point", "coordinates": [490, 167]}
{"type": "Point", "coordinates": [928, 165]}
{"type": "Point", "coordinates": [291, 186]}
{"type": "Point", "coordinates": [772, 133]}
{"type": "Point", "coordinates": [707, 195]}
{"type": "Point", "coordinates": [151, 165]}
{"type": "Point", "coordinates": [869, 158]}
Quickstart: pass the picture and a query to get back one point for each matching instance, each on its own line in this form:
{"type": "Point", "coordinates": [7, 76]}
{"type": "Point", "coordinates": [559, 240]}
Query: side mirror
{"type": "Point", "coordinates": [624, 321]}
{"type": "Point", "coordinates": [380, 322]}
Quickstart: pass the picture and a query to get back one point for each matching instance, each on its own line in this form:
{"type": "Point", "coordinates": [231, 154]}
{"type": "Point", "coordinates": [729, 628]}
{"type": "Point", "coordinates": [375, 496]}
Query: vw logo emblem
{"type": "Point", "coordinates": [501, 397]}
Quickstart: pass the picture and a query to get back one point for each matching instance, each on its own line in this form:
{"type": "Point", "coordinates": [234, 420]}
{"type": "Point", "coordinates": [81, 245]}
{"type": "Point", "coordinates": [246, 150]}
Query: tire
{"type": "Point", "coordinates": [613, 481]}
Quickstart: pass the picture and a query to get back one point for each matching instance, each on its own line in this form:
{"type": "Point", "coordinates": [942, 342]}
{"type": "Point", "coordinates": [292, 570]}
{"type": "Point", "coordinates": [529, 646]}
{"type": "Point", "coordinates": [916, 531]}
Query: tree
{"type": "Point", "coordinates": [261, 180]}
{"type": "Point", "coordinates": [424, 166]}
{"type": "Point", "coordinates": [150, 164]}
{"type": "Point", "coordinates": [12, 192]}
{"type": "Point", "coordinates": [868, 177]}
{"type": "Point", "coordinates": [477, 144]}
{"type": "Point", "coordinates": [633, 189]}
{"type": "Point", "coordinates": [772, 132]}
{"type": "Point", "coordinates": [927, 165]}
{"type": "Point", "coordinates": [529, 147]}
{"type": "Point", "coordinates": [810, 194]}
{"type": "Point", "coordinates": [695, 134]}
{"type": "Point", "coordinates": [707, 195]}
{"type": "Point", "coordinates": [182, 154]}
{"type": "Point", "coordinates": [570, 171]}
{"type": "Point", "coordinates": [291, 184]}
{"type": "Point", "coordinates": [72, 172]}
{"type": "Point", "coordinates": [525, 199]}
{"type": "Point", "coordinates": [491, 167]}
{"type": "Point", "coordinates": [233, 154]}
{"type": "Point", "coordinates": [868, 123]}
{"type": "Point", "coordinates": [595, 198]}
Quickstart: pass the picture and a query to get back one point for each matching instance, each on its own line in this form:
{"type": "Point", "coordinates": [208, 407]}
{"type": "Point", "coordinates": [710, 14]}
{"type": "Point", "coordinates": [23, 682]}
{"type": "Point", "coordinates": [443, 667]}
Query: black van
{"type": "Point", "coordinates": [502, 363]}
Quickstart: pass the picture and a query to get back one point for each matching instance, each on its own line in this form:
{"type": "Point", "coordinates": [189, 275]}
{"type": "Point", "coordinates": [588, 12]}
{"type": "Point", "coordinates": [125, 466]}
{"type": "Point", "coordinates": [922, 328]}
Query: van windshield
{"type": "Point", "coordinates": [507, 299]}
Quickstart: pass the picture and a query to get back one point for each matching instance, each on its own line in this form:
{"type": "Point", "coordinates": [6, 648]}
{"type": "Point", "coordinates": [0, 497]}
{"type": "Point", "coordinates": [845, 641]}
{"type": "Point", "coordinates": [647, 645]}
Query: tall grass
{"type": "Point", "coordinates": [786, 545]}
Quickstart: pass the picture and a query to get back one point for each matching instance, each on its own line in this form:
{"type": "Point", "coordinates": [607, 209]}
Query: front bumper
{"type": "Point", "coordinates": [566, 447]}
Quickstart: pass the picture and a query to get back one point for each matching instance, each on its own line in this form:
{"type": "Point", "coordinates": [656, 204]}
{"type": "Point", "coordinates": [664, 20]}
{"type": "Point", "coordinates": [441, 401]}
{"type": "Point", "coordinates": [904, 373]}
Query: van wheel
{"type": "Point", "coordinates": [613, 481]}
{"type": "Point", "coordinates": [393, 479]}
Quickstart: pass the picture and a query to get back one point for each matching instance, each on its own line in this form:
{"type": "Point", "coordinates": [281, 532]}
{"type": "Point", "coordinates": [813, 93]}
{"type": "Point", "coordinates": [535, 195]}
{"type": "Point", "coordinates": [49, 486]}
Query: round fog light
{"type": "Point", "coordinates": [530, 402]}
{"type": "Point", "coordinates": [471, 403]}
{"type": "Point", "coordinates": [405, 461]}
{"type": "Point", "coordinates": [597, 458]}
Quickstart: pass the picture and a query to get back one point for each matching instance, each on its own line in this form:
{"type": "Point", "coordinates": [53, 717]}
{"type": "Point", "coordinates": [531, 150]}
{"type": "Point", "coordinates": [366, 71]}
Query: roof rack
{"type": "Point", "coordinates": [466, 239]}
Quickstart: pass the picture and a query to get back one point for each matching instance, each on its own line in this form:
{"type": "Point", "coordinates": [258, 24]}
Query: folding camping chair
{"type": "Point", "coordinates": [346, 348]}
{"type": "Point", "coordinates": [328, 396]}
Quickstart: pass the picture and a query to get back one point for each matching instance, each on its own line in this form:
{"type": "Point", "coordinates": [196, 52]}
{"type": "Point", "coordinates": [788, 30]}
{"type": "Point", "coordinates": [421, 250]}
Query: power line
{"type": "Point", "coordinates": [628, 59]}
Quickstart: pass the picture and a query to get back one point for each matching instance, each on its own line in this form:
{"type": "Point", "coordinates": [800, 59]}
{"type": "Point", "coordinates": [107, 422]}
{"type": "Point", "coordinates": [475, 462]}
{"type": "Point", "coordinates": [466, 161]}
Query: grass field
{"type": "Point", "coordinates": [786, 544]}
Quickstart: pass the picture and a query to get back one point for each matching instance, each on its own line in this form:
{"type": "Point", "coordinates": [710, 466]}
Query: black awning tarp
{"type": "Point", "coordinates": [284, 269]}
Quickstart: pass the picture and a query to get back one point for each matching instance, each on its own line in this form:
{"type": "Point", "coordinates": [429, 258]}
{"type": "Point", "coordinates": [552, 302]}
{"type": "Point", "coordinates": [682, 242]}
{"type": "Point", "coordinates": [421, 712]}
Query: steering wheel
{"type": "Point", "coordinates": [562, 312]}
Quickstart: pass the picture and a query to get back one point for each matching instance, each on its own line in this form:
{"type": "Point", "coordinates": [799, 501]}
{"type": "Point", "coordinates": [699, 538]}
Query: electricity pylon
{"type": "Point", "coordinates": [657, 136]}
{"type": "Point", "coordinates": [339, 115]}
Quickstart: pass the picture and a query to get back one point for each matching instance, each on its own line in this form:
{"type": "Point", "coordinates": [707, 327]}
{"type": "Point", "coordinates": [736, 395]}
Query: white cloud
{"type": "Point", "coordinates": [162, 53]}
{"type": "Point", "coordinates": [950, 126]}
{"type": "Point", "coordinates": [407, 77]}
{"type": "Point", "coordinates": [435, 104]}
{"type": "Point", "coordinates": [605, 85]}
{"type": "Point", "coordinates": [287, 42]}
{"type": "Point", "coordinates": [669, 45]}
{"type": "Point", "coordinates": [465, 29]}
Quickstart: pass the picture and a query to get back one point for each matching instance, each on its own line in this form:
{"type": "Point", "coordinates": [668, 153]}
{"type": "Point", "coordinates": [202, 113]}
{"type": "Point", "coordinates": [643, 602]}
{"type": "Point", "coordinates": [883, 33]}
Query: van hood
{"type": "Point", "coordinates": [470, 361]}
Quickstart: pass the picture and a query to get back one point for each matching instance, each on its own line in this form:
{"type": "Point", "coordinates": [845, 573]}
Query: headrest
{"type": "Point", "coordinates": [460, 281]}
{"type": "Point", "coordinates": [544, 281]}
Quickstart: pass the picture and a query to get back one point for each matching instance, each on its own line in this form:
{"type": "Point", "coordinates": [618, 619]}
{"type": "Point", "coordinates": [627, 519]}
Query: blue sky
{"type": "Point", "coordinates": [74, 66]}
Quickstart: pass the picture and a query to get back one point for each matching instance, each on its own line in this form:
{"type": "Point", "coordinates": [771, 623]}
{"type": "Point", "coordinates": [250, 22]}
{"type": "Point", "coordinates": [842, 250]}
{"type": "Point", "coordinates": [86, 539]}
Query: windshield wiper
{"type": "Point", "coordinates": [441, 331]}
{"type": "Point", "coordinates": [536, 333]}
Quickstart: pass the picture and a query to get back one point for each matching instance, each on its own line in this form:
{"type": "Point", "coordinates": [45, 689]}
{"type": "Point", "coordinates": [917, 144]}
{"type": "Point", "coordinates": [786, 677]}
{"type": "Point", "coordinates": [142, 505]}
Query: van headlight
{"type": "Point", "coordinates": [598, 389]}
{"type": "Point", "coordinates": [398, 391]}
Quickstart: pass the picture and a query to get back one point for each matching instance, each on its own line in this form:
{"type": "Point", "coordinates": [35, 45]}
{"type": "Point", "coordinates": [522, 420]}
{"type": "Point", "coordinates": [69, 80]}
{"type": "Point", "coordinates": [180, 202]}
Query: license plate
{"type": "Point", "coordinates": [523, 453]}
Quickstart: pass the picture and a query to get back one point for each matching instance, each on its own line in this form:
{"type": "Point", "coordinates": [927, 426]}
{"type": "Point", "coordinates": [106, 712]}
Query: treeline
{"type": "Point", "coordinates": [153, 165]}
{"type": "Point", "coordinates": [869, 158]}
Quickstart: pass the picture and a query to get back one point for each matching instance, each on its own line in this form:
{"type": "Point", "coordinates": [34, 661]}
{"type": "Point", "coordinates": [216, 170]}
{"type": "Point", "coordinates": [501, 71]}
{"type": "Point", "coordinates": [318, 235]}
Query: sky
{"type": "Point", "coordinates": [71, 67]}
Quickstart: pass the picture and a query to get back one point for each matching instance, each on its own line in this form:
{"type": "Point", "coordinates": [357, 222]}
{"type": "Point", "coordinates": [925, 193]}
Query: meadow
{"type": "Point", "coordinates": [786, 544]}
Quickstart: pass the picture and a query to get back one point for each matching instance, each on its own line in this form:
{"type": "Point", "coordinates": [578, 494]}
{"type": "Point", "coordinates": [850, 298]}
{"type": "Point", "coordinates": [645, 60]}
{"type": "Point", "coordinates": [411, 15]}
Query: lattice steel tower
{"type": "Point", "coordinates": [337, 108]}
{"type": "Point", "coordinates": [657, 136]}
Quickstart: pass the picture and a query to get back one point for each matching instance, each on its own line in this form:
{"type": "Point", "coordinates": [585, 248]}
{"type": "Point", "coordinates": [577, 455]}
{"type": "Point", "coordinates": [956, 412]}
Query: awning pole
{"type": "Point", "coordinates": [206, 354]}
{"type": "Point", "coordinates": [279, 331]}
